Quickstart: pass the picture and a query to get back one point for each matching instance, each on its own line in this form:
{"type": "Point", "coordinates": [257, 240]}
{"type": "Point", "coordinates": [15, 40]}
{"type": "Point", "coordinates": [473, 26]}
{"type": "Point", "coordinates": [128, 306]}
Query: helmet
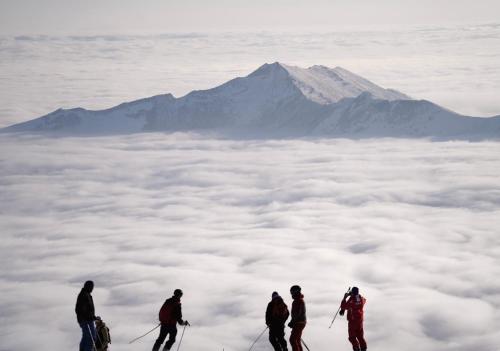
{"type": "Point", "coordinates": [178, 293]}
{"type": "Point", "coordinates": [355, 291]}
{"type": "Point", "coordinates": [295, 289]}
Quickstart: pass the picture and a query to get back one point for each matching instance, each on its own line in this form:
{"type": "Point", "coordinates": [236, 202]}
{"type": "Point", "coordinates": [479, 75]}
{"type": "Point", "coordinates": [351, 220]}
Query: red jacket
{"type": "Point", "coordinates": [354, 307]}
{"type": "Point", "coordinates": [298, 311]}
{"type": "Point", "coordinates": [171, 312]}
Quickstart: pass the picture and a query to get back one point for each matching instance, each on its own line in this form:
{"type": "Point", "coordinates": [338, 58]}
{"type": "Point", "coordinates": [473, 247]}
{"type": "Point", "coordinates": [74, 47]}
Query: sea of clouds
{"type": "Point", "coordinates": [413, 223]}
{"type": "Point", "coordinates": [456, 67]}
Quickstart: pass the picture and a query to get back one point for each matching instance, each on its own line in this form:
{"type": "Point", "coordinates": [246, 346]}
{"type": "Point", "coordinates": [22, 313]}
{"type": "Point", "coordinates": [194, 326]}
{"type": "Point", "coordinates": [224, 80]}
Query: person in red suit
{"type": "Point", "coordinates": [299, 320]}
{"type": "Point", "coordinates": [354, 307]}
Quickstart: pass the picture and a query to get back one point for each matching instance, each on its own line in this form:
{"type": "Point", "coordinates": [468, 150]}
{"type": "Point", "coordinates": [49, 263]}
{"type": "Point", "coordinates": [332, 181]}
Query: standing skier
{"type": "Point", "coordinates": [354, 306]}
{"type": "Point", "coordinates": [276, 316]}
{"type": "Point", "coordinates": [298, 322]}
{"type": "Point", "coordinates": [170, 314]}
{"type": "Point", "coordinates": [85, 315]}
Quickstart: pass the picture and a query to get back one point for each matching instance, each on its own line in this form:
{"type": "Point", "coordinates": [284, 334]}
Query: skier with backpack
{"type": "Point", "coordinates": [354, 307]}
{"type": "Point", "coordinates": [85, 315]}
{"type": "Point", "coordinates": [299, 319]}
{"type": "Point", "coordinates": [170, 314]}
{"type": "Point", "coordinates": [276, 316]}
{"type": "Point", "coordinates": [103, 336]}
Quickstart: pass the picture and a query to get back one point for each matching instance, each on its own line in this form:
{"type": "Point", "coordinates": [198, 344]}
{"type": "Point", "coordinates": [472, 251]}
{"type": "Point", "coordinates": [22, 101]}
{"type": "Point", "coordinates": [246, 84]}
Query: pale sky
{"type": "Point", "coordinates": [154, 16]}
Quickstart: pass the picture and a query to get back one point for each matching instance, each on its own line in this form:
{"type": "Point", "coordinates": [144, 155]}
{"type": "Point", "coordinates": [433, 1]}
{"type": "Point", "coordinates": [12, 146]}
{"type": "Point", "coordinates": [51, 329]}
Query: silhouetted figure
{"type": "Point", "coordinates": [298, 322]}
{"type": "Point", "coordinates": [85, 315]}
{"type": "Point", "coordinates": [276, 316]}
{"type": "Point", "coordinates": [354, 307]}
{"type": "Point", "coordinates": [170, 314]}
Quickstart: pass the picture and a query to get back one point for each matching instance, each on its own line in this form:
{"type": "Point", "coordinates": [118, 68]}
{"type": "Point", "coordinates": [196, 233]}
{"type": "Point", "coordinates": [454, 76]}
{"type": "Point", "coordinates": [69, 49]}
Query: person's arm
{"type": "Point", "coordinates": [303, 315]}
{"type": "Point", "coordinates": [287, 313]}
{"type": "Point", "coordinates": [178, 310]}
{"type": "Point", "coordinates": [109, 335]}
{"type": "Point", "coordinates": [268, 314]}
{"type": "Point", "coordinates": [91, 308]}
{"type": "Point", "coordinates": [179, 316]}
{"type": "Point", "coordinates": [344, 305]}
{"type": "Point", "coordinates": [78, 306]}
{"type": "Point", "coordinates": [294, 314]}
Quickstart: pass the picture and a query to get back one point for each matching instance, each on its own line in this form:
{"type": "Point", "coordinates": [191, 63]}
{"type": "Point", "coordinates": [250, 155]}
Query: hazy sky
{"type": "Point", "coordinates": [133, 16]}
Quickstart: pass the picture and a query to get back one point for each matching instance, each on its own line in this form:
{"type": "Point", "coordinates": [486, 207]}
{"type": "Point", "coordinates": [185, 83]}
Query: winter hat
{"type": "Point", "coordinates": [275, 294]}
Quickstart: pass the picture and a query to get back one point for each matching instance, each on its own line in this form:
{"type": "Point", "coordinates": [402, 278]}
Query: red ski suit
{"type": "Point", "coordinates": [354, 308]}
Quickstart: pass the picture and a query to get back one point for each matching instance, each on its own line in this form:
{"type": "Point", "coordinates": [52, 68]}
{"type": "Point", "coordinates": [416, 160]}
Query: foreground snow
{"type": "Point", "coordinates": [413, 223]}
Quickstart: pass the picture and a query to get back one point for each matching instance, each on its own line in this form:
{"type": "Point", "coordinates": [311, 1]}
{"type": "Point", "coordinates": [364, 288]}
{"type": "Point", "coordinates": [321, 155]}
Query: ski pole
{"type": "Point", "coordinates": [134, 340]}
{"type": "Point", "coordinates": [183, 330]}
{"type": "Point", "coordinates": [304, 343]}
{"type": "Point", "coordinates": [333, 320]}
{"type": "Point", "coordinates": [91, 337]}
{"type": "Point", "coordinates": [258, 338]}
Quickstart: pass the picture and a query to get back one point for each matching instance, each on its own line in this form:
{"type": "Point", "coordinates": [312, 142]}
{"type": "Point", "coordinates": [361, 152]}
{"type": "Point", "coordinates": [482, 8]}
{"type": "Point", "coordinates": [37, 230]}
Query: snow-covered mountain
{"type": "Point", "coordinates": [277, 100]}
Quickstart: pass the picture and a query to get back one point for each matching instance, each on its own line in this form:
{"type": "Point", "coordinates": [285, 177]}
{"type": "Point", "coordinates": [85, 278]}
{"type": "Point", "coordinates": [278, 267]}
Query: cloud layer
{"type": "Point", "coordinates": [412, 223]}
{"type": "Point", "coordinates": [456, 67]}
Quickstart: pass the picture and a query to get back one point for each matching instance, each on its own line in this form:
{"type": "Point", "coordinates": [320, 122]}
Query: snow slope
{"type": "Point", "coordinates": [325, 85]}
{"type": "Point", "coordinates": [277, 100]}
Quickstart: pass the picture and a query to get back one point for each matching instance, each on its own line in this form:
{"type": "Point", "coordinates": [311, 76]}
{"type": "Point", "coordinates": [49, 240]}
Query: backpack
{"type": "Point", "coordinates": [166, 314]}
{"type": "Point", "coordinates": [103, 337]}
{"type": "Point", "coordinates": [280, 311]}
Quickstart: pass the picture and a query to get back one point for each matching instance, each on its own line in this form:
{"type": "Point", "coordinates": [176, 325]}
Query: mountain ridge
{"type": "Point", "coordinates": [276, 100]}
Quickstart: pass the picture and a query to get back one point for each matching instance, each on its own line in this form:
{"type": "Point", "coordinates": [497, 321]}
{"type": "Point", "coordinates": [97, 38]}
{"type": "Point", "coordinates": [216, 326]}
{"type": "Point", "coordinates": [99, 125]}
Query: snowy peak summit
{"type": "Point", "coordinates": [330, 85]}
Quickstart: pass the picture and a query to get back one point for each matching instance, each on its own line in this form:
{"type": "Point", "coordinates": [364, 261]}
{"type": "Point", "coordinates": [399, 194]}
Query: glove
{"type": "Point", "coordinates": [290, 325]}
{"type": "Point", "coordinates": [341, 312]}
{"type": "Point", "coordinates": [187, 323]}
{"type": "Point", "coordinates": [346, 295]}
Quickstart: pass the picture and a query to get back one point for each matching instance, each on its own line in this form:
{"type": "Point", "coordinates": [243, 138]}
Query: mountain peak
{"type": "Point", "coordinates": [275, 100]}
{"type": "Point", "coordinates": [269, 68]}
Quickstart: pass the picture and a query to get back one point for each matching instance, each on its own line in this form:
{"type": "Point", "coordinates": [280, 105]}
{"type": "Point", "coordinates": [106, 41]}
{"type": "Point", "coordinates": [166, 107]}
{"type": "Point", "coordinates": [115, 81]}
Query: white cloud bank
{"type": "Point", "coordinates": [456, 67]}
{"type": "Point", "coordinates": [412, 223]}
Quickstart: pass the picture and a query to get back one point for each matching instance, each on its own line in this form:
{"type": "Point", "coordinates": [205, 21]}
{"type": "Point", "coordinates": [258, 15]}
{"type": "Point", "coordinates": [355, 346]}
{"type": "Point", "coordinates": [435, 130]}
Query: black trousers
{"type": "Point", "coordinates": [165, 330]}
{"type": "Point", "coordinates": [277, 337]}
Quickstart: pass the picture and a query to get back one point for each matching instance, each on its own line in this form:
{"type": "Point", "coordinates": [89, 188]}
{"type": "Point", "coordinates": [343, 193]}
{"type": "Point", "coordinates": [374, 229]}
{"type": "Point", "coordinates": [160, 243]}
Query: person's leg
{"type": "Point", "coordinates": [83, 341]}
{"type": "Point", "coordinates": [88, 336]}
{"type": "Point", "coordinates": [82, 344]}
{"type": "Point", "coordinates": [273, 339]}
{"type": "Point", "coordinates": [352, 336]}
{"type": "Point", "coordinates": [161, 337]}
{"type": "Point", "coordinates": [295, 338]}
{"type": "Point", "coordinates": [172, 332]}
{"type": "Point", "coordinates": [361, 338]}
{"type": "Point", "coordinates": [280, 335]}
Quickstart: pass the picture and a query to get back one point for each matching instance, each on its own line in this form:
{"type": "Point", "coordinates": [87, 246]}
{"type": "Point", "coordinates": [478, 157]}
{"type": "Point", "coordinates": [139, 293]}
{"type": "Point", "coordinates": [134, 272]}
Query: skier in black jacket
{"type": "Point", "coordinates": [85, 315]}
{"type": "Point", "coordinates": [276, 316]}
